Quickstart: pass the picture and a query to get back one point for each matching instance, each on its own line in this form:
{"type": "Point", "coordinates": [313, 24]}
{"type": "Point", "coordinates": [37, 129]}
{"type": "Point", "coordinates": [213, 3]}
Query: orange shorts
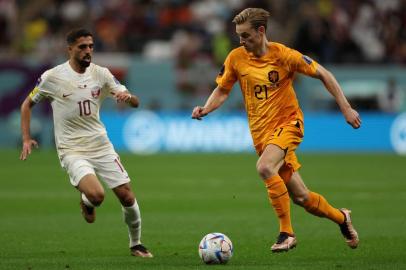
{"type": "Point", "coordinates": [288, 138]}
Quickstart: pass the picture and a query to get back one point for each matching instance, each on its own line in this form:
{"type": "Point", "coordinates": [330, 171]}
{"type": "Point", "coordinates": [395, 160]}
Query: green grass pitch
{"type": "Point", "coordinates": [184, 196]}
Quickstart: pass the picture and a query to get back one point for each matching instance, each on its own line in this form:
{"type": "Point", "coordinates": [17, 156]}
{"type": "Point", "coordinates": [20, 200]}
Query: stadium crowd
{"type": "Point", "coordinates": [198, 34]}
{"type": "Point", "coordinates": [332, 31]}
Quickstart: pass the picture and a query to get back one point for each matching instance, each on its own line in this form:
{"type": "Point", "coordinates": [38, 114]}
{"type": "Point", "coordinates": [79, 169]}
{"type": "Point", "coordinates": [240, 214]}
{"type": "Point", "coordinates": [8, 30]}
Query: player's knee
{"type": "Point", "coordinates": [300, 199]}
{"type": "Point", "coordinates": [96, 198]}
{"type": "Point", "coordinates": [266, 170]}
{"type": "Point", "coordinates": [127, 199]}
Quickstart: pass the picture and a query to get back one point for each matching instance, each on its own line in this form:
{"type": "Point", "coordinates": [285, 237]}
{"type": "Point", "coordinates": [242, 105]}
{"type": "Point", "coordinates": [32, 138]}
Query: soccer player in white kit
{"type": "Point", "coordinates": [76, 90]}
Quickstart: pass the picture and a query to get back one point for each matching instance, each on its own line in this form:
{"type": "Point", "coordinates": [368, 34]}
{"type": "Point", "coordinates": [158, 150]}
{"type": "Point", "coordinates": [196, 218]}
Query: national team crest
{"type": "Point", "coordinates": [273, 76]}
{"type": "Point", "coordinates": [96, 92]}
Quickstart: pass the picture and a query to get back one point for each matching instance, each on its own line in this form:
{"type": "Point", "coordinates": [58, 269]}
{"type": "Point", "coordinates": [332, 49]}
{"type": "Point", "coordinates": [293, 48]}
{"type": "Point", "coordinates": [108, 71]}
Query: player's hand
{"type": "Point", "coordinates": [198, 113]}
{"type": "Point", "coordinates": [122, 96]}
{"type": "Point", "coordinates": [352, 117]}
{"type": "Point", "coordinates": [27, 147]}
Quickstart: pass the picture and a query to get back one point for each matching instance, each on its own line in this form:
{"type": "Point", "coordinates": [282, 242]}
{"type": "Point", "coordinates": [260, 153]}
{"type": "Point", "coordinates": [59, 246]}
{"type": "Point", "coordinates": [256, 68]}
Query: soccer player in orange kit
{"type": "Point", "coordinates": [265, 72]}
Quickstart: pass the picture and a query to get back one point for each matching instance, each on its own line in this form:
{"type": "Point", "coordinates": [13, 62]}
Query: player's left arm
{"type": "Point", "coordinates": [351, 116]}
{"type": "Point", "coordinates": [119, 91]}
{"type": "Point", "coordinates": [127, 97]}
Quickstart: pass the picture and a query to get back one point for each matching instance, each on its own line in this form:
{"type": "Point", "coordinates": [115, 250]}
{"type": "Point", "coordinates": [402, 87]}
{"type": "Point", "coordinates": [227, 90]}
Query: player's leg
{"type": "Point", "coordinates": [132, 217]}
{"type": "Point", "coordinates": [314, 203]}
{"type": "Point", "coordinates": [317, 205]}
{"type": "Point", "coordinates": [92, 195]}
{"type": "Point", "coordinates": [268, 166]}
{"type": "Point", "coordinates": [113, 173]}
{"type": "Point", "coordinates": [82, 176]}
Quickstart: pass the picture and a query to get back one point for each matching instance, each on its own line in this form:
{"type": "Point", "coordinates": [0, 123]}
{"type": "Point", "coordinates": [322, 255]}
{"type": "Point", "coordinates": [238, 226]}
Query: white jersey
{"type": "Point", "coordinates": [76, 99]}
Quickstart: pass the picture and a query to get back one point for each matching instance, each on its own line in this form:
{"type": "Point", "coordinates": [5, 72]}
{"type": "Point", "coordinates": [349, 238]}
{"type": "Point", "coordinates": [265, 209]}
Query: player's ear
{"type": "Point", "coordinates": [261, 29]}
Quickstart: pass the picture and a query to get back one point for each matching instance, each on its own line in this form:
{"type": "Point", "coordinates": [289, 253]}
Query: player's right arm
{"type": "Point", "coordinates": [215, 100]}
{"type": "Point", "coordinates": [225, 81]}
{"type": "Point", "coordinates": [28, 142]}
{"type": "Point", "coordinates": [36, 95]}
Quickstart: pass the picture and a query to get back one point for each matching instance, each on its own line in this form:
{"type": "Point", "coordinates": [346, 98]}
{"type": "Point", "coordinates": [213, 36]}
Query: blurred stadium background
{"type": "Point", "coordinates": [169, 52]}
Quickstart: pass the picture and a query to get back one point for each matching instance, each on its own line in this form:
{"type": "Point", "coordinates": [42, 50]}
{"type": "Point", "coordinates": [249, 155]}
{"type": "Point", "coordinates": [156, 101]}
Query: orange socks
{"type": "Point", "coordinates": [279, 198]}
{"type": "Point", "coordinates": [318, 206]}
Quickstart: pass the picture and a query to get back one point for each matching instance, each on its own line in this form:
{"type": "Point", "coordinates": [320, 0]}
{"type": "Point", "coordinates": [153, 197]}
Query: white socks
{"type": "Point", "coordinates": [132, 217]}
{"type": "Point", "coordinates": [86, 201]}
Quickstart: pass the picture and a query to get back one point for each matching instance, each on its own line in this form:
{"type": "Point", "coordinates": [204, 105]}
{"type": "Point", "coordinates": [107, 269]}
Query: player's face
{"type": "Point", "coordinates": [249, 37]}
{"type": "Point", "coordinates": [82, 50]}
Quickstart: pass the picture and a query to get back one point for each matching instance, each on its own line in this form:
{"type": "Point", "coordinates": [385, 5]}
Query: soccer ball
{"type": "Point", "coordinates": [215, 248]}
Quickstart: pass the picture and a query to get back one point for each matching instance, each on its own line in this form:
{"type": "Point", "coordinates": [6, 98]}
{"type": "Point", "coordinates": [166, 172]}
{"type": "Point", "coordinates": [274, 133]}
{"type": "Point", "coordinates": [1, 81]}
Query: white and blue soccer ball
{"type": "Point", "coordinates": [215, 248]}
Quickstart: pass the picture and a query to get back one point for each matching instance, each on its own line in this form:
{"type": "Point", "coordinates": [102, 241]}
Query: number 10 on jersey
{"type": "Point", "coordinates": [84, 107]}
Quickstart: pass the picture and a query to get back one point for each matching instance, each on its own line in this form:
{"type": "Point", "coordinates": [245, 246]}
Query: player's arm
{"type": "Point", "coordinates": [117, 90]}
{"type": "Point", "coordinates": [215, 100]}
{"type": "Point", "coordinates": [28, 142]}
{"type": "Point", "coordinates": [351, 116]}
{"type": "Point", "coordinates": [127, 97]}
{"type": "Point", "coordinates": [225, 81]}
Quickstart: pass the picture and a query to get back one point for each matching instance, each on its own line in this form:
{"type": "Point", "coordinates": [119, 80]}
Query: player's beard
{"type": "Point", "coordinates": [85, 61]}
{"type": "Point", "coordinates": [248, 48]}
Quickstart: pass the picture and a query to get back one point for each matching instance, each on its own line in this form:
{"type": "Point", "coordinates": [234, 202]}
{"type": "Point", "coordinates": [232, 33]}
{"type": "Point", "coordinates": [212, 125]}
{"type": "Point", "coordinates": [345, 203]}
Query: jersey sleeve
{"type": "Point", "coordinates": [296, 62]}
{"type": "Point", "coordinates": [111, 83]}
{"type": "Point", "coordinates": [227, 76]}
{"type": "Point", "coordinates": [42, 89]}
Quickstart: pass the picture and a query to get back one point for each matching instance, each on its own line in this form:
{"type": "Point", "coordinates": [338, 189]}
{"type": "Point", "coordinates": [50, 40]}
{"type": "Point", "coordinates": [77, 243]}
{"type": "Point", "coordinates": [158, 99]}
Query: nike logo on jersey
{"type": "Point", "coordinates": [243, 75]}
{"type": "Point", "coordinates": [66, 95]}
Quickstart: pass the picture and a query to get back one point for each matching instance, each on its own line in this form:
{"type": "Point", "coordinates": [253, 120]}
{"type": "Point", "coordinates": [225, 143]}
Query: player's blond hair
{"type": "Point", "coordinates": [256, 16]}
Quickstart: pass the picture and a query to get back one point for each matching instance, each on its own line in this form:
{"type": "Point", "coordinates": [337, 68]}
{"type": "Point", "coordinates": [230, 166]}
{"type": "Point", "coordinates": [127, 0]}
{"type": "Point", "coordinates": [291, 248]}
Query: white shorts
{"type": "Point", "coordinates": [107, 167]}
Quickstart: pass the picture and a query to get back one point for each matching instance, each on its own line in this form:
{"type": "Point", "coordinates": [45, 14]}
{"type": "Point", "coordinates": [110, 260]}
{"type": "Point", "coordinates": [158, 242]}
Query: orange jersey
{"type": "Point", "coordinates": [267, 87]}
